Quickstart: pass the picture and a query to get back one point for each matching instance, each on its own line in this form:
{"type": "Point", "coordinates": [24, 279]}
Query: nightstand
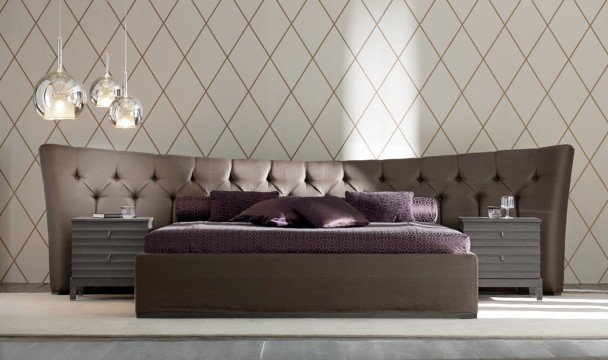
{"type": "Point", "coordinates": [508, 251]}
{"type": "Point", "coordinates": [104, 250]}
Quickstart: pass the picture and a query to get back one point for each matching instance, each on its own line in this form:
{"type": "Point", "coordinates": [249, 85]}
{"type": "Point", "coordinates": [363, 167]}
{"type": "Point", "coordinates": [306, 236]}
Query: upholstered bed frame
{"type": "Point", "coordinates": [82, 181]}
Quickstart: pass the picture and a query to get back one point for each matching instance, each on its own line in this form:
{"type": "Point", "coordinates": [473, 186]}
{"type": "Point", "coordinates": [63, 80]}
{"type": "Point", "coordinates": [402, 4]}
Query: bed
{"type": "Point", "coordinates": [322, 272]}
{"type": "Point", "coordinates": [82, 181]}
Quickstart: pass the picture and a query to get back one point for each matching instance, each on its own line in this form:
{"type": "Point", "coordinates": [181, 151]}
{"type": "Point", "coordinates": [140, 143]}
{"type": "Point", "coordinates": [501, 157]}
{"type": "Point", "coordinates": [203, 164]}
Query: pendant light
{"type": "Point", "coordinates": [58, 96]}
{"type": "Point", "coordinates": [105, 89]}
{"type": "Point", "coordinates": [125, 111]}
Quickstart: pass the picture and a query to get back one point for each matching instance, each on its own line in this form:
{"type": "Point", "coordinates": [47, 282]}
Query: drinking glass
{"type": "Point", "coordinates": [494, 212]}
{"type": "Point", "coordinates": [128, 212]}
{"type": "Point", "coordinates": [507, 203]}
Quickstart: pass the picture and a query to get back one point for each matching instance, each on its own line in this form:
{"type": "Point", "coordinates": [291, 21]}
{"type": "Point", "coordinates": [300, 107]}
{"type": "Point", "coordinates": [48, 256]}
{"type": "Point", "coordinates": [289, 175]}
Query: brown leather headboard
{"type": "Point", "coordinates": [79, 181]}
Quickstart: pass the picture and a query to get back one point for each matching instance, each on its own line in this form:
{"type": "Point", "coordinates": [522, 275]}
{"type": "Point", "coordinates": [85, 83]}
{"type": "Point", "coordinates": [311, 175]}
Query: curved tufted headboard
{"type": "Point", "coordinates": [79, 182]}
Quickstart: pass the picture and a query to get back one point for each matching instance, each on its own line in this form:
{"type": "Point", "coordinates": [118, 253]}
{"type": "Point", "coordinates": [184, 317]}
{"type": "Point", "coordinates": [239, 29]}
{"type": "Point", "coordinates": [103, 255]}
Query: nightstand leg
{"type": "Point", "coordinates": [73, 291]}
{"type": "Point", "coordinates": [80, 290]}
{"type": "Point", "coordinates": [537, 290]}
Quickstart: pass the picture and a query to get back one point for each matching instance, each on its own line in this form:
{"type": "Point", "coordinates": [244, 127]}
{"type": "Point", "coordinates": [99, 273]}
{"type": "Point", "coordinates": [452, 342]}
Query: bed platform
{"type": "Point", "coordinates": [306, 285]}
{"type": "Point", "coordinates": [239, 269]}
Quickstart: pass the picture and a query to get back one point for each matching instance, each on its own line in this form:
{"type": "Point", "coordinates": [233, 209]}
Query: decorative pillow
{"type": "Point", "coordinates": [192, 208]}
{"type": "Point", "coordinates": [425, 209]}
{"type": "Point", "coordinates": [274, 212]}
{"type": "Point", "coordinates": [383, 206]}
{"type": "Point", "coordinates": [227, 204]}
{"type": "Point", "coordinates": [329, 212]}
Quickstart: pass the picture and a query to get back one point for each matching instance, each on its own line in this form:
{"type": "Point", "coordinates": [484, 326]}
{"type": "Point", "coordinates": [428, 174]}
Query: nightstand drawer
{"type": "Point", "coordinates": [483, 242]}
{"type": "Point", "coordinates": [80, 259]}
{"type": "Point", "coordinates": [505, 225]}
{"type": "Point", "coordinates": [508, 259]}
{"type": "Point", "coordinates": [103, 265]}
{"type": "Point", "coordinates": [497, 234]}
{"type": "Point", "coordinates": [112, 224]}
{"type": "Point", "coordinates": [504, 266]}
{"type": "Point", "coordinates": [103, 262]}
{"type": "Point", "coordinates": [506, 250]}
{"type": "Point", "coordinates": [509, 267]}
{"type": "Point", "coordinates": [109, 234]}
{"type": "Point", "coordinates": [103, 273]}
{"type": "Point", "coordinates": [107, 249]}
{"type": "Point", "coordinates": [508, 274]}
{"type": "Point", "coordinates": [78, 241]}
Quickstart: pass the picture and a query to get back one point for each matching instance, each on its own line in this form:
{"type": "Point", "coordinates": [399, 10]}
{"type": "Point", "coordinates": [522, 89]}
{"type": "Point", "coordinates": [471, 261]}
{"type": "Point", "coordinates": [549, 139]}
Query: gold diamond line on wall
{"type": "Point", "coordinates": [318, 80]}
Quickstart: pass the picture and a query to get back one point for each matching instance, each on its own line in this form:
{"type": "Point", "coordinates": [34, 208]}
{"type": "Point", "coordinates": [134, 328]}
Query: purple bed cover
{"type": "Point", "coordinates": [376, 238]}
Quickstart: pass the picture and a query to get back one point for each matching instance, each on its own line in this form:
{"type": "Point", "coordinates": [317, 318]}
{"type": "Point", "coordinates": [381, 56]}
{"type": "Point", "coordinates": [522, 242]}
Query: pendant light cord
{"type": "Point", "coordinates": [105, 48]}
{"type": "Point", "coordinates": [59, 43]}
{"type": "Point", "coordinates": [60, 1]}
{"type": "Point", "coordinates": [125, 26]}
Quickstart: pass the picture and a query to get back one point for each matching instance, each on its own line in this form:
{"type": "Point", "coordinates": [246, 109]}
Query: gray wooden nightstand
{"type": "Point", "coordinates": [508, 251]}
{"type": "Point", "coordinates": [104, 250]}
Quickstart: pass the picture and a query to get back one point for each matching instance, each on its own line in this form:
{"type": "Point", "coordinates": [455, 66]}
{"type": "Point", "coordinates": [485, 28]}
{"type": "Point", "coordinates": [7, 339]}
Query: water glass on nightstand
{"type": "Point", "coordinates": [128, 212]}
{"type": "Point", "coordinates": [494, 212]}
{"type": "Point", "coordinates": [507, 203]}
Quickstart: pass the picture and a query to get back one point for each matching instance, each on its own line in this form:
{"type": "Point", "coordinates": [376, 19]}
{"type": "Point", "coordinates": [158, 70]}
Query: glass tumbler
{"type": "Point", "coordinates": [128, 212]}
{"type": "Point", "coordinates": [494, 212]}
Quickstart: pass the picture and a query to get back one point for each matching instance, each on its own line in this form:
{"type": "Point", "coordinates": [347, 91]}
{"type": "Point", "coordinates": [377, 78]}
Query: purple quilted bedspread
{"type": "Point", "coordinates": [376, 238]}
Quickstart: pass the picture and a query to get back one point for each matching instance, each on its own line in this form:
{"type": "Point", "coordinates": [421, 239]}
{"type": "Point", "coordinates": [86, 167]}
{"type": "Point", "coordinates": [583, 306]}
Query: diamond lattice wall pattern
{"type": "Point", "coordinates": [315, 80]}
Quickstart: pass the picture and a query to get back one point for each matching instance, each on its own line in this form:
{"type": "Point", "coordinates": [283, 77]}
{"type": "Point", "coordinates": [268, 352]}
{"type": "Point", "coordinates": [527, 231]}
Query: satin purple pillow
{"type": "Point", "coordinates": [227, 204]}
{"type": "Point", "coordinates": [383, 206]}
{"type": "Point", "coordinates": [278, 212]}
{"type": "Point", "coordinates": [425, 209]}
{"type": "Point", "coordinates": [329, 212]}
{"type": "Point", "coordinates": [192, 208]}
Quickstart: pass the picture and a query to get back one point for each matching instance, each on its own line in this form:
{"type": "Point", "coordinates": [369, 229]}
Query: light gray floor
{"type": "Point", "coordinates": [326, 349]}
{"type": "Point", "coordinates": [364, 349]}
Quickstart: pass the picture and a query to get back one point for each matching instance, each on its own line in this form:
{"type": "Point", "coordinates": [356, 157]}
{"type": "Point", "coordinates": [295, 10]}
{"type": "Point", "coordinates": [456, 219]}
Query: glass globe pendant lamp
{"type": "Point", "coordinates": [105, 89]}
{"type": "Point", "coordinates": [58, 95]}
{"type": "Point", "coordinates": [125, 111]}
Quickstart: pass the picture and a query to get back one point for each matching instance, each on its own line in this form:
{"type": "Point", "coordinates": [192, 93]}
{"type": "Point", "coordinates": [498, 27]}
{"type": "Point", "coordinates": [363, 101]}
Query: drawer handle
{"type": "Point", "coordinates": [109, 257]}
{"type": "Point", "coordinates": [109, 233]}
{"type": "Point", "coordinates": [502, 234]}
{"type": "Point", "coordinates": [502, 257]}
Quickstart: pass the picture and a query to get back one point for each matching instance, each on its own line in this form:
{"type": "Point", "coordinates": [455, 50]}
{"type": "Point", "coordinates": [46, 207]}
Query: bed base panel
{"type": "Point", "coordinates": [306, 285]}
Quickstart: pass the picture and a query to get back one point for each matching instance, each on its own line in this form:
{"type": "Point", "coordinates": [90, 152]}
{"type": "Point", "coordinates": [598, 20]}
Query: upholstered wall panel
{"type": "Point", "coordinates": [315, 80]}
